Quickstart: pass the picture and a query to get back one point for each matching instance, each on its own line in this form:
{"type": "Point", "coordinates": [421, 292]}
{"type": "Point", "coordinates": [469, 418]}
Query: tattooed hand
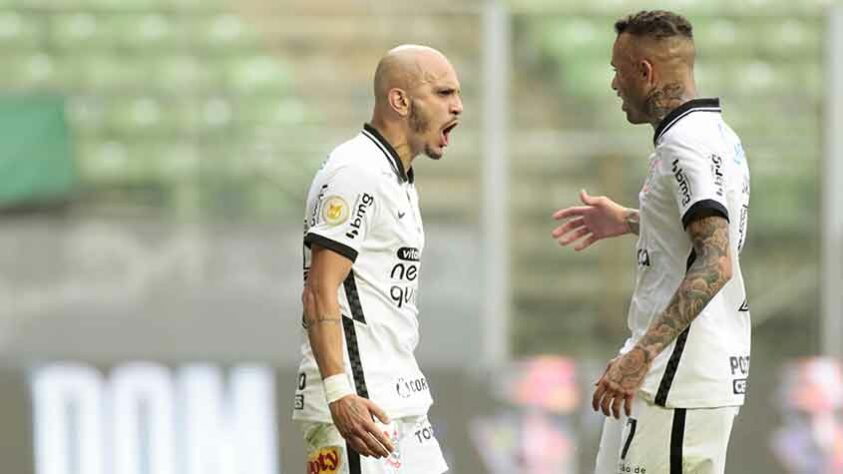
{"type": "Point", "coordinates": [354, 418]}
{"type": "Point", "coordinates": [619, 383]}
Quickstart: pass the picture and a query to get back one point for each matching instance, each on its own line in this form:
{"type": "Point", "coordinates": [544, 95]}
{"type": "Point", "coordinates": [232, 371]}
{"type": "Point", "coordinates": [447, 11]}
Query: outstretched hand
{"type": "Point", "coordinates": [599, 218]}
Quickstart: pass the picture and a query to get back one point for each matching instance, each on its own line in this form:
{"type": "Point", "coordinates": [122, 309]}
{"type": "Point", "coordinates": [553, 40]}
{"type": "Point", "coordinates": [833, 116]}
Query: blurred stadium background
{"type": "Point", "coordinates": [154, 160]}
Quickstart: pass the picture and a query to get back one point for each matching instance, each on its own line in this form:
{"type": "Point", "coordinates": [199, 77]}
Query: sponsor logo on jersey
{"type": "Point", "coordinates": [643, 257]}
{"type": "Point", "coordinates": [360, 207]}
{"type": "Point", "coordinates": [717, 173]}
{"type": "Point", "coordinates": [682, 181]}
{"type": "Point", "coordinates": [324, 461]}
{"type": "Point", "coordinates": [334, 210]}
{"type": "Point", "coordinates": [408, 254]}
{"type": "Point", "coordinates": [407, 388]}
{"type": "Point", "coordinates": [740, 367]}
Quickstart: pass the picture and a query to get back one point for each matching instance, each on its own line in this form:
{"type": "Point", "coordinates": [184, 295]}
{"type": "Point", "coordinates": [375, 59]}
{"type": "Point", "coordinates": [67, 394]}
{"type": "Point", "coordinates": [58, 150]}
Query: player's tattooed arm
{"type": "Point", "coordinates": [633, 220]}
{"type": "Point", "coordinates": [710, 271]}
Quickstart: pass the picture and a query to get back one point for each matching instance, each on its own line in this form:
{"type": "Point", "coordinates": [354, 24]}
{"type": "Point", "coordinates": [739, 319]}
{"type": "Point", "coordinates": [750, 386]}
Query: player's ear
{"type": "Point", "coordinates": [645, 69]}
{"type": "Point", "coordinates": [399, 101]}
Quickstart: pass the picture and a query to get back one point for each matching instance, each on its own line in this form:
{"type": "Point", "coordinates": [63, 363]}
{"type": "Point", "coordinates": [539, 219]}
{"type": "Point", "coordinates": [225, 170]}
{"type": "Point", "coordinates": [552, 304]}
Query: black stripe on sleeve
{"type": "Point", "coordinates": [354, 357]}
{"type": "Point", "coordinates": [704, 208]}
{"type": "Point", "coordinates": [672, 367]}
{"type": "Point", "coordinates": [677, 438]}
{"type": "Point", "coordinates": [353, 460]}
{"type": "Point", "coordinates": [673, 362]}
{"type": "Point", "coordinates": [353, 298]}
{"type": "Point", "coordinates": [329, 244]}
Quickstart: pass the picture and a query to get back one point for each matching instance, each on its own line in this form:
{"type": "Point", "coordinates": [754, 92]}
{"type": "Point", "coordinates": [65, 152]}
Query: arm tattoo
{"type": "Point", "coordinates": [706, 276]}
{"type": "Point", "coordinates": [661, 101]}
{"type": "Point", "coordinates": [319, 319]}
{"type": "Point", "coordinates": [633, 219]}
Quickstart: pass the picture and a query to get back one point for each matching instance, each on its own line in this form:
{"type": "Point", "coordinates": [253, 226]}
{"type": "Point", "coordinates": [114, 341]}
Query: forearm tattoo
{"type": "Point", "coordinates": [309, 323]}
{"type": "Point", "coordinates": [706, 276]}
{"type": "Point", "coordinates": [661, 101]}
{"type": "Point", "coordinates": [633, 219]}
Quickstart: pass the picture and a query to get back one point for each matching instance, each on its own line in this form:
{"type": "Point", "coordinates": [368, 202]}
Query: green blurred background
{"type": "Point", "coordinates": [155, 156]}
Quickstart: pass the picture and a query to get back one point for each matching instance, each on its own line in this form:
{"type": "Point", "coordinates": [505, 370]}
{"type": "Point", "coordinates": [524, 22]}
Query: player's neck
{"type": "Point", "coordinates": [667, 97]}
{"type": "Point", "coordinates": [397, 138]}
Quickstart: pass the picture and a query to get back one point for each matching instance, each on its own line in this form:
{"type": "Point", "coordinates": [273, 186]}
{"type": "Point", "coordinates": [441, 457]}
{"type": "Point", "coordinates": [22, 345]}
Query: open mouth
{"type": "Point", "coordinates": [446, 132]}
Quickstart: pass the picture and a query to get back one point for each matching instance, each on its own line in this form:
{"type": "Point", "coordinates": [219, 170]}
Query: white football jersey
{"type": "Point", "coordinates": [362, 204]}
{"type": "Point", "coordinates": [698, 167]}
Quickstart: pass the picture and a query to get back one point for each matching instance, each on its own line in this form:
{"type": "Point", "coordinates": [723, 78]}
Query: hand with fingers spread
{"type": "Point", "coordinates": [599, 218]}
{"type": "Point", "coordinates": [354, 418]}
{"type": "Point", "coordinates": [619, 383]}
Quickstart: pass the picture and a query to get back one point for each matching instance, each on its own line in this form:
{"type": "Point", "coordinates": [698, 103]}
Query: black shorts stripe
{"type": "Point", "coordinates": [353, 298]}
{"type": "Point", "coordinates": [677, 438]}
{"type": "Point", "coordinates": [353, 460]}
{"type": "Point", "coordinates": [354, 357]}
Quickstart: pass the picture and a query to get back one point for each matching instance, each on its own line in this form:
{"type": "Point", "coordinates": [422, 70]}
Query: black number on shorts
{"type": "Point", "coordinates": [302, 381]}
{"type": "Point", "coordinates": [631, 422]}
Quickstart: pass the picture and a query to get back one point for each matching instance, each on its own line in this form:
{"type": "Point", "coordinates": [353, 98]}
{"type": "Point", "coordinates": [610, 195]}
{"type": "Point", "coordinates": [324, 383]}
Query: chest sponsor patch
{"type": "Point", "coordinates": [324, 461]}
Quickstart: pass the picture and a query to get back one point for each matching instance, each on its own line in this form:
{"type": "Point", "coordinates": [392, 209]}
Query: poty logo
{"type": "Point", "coordinates": [324, 461]}
{"type": "Point", "coordinates": [684, 186]}
{"type": "Point", "coordinates": [361, 206]}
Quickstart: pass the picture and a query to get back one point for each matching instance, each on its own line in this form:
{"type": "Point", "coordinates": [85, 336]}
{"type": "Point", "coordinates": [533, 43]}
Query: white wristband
{"type": "Point", "coordinates": [336, 387]}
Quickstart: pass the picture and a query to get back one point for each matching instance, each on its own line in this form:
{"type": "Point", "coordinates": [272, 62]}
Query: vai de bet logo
{"type": "Point", "coordinates": [324, 461]}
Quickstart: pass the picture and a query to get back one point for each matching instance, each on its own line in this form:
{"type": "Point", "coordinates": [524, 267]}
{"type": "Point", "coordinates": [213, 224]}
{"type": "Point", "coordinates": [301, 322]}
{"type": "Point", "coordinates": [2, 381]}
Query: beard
{"type": "Point", "coordinates": [420, 124]}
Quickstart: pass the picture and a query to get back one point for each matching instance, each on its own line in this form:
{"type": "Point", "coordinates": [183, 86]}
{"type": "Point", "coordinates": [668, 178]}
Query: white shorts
{"type": "Point", "coordinates": [657, 440]}
{"type": "Point", "coordinates": [416, 450]}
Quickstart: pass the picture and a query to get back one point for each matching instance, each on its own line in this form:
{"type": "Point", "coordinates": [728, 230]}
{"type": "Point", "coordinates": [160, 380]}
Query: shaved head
{"type": "Point", "coordinates": [405, 67]}
{"type": "Point", "coordinates": [417, 100]}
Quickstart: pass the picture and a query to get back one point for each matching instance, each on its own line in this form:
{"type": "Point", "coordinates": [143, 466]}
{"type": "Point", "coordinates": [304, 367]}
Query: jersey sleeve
{"type": "Point", "coordinates": [345, 212]}
{"type": "Point", "coordinates": [697, 180]}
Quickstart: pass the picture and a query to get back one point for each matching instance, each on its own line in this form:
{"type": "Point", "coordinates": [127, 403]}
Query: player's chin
{"type": "Point", "coordinates": [434, 152]}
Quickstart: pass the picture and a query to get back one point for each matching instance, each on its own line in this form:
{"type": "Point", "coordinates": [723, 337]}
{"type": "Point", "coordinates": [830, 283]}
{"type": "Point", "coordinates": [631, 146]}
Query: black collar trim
{"type": "Point", "coordinates": [389, 152]}
{"type": "Point", "coordinates": [675, 115]}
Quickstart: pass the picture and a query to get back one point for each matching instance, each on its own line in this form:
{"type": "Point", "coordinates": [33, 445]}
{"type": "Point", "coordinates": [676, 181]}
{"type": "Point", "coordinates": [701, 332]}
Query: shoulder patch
{"type": "Point", "coordinates": [335, 210]}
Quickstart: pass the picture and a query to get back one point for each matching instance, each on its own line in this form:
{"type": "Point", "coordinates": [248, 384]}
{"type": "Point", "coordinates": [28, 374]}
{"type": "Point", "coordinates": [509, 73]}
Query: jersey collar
{"type": "Point", "coordinates": [675, 115]}
{"type": "Point", "coordinates": [390, 153]}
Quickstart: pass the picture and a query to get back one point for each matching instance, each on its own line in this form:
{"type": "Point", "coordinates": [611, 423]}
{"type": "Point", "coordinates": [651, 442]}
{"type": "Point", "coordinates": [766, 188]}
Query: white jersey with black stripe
{"type": "Point", "coordinates": [698, 166]}
{"type": "Point", "coordinates": [363, 205]}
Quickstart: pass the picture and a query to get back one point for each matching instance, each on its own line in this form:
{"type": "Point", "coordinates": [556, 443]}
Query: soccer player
{"type": "Point", "coordinates": [681, 376]}
{"type": "Point", "coordinates": [360, 391]}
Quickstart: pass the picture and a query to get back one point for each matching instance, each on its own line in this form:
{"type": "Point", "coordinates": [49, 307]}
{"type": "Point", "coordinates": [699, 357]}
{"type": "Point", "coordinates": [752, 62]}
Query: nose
{"type": "Point", "coordinates": [614, 82]}
{"type": "Point", "coordinates": [456, 106]}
